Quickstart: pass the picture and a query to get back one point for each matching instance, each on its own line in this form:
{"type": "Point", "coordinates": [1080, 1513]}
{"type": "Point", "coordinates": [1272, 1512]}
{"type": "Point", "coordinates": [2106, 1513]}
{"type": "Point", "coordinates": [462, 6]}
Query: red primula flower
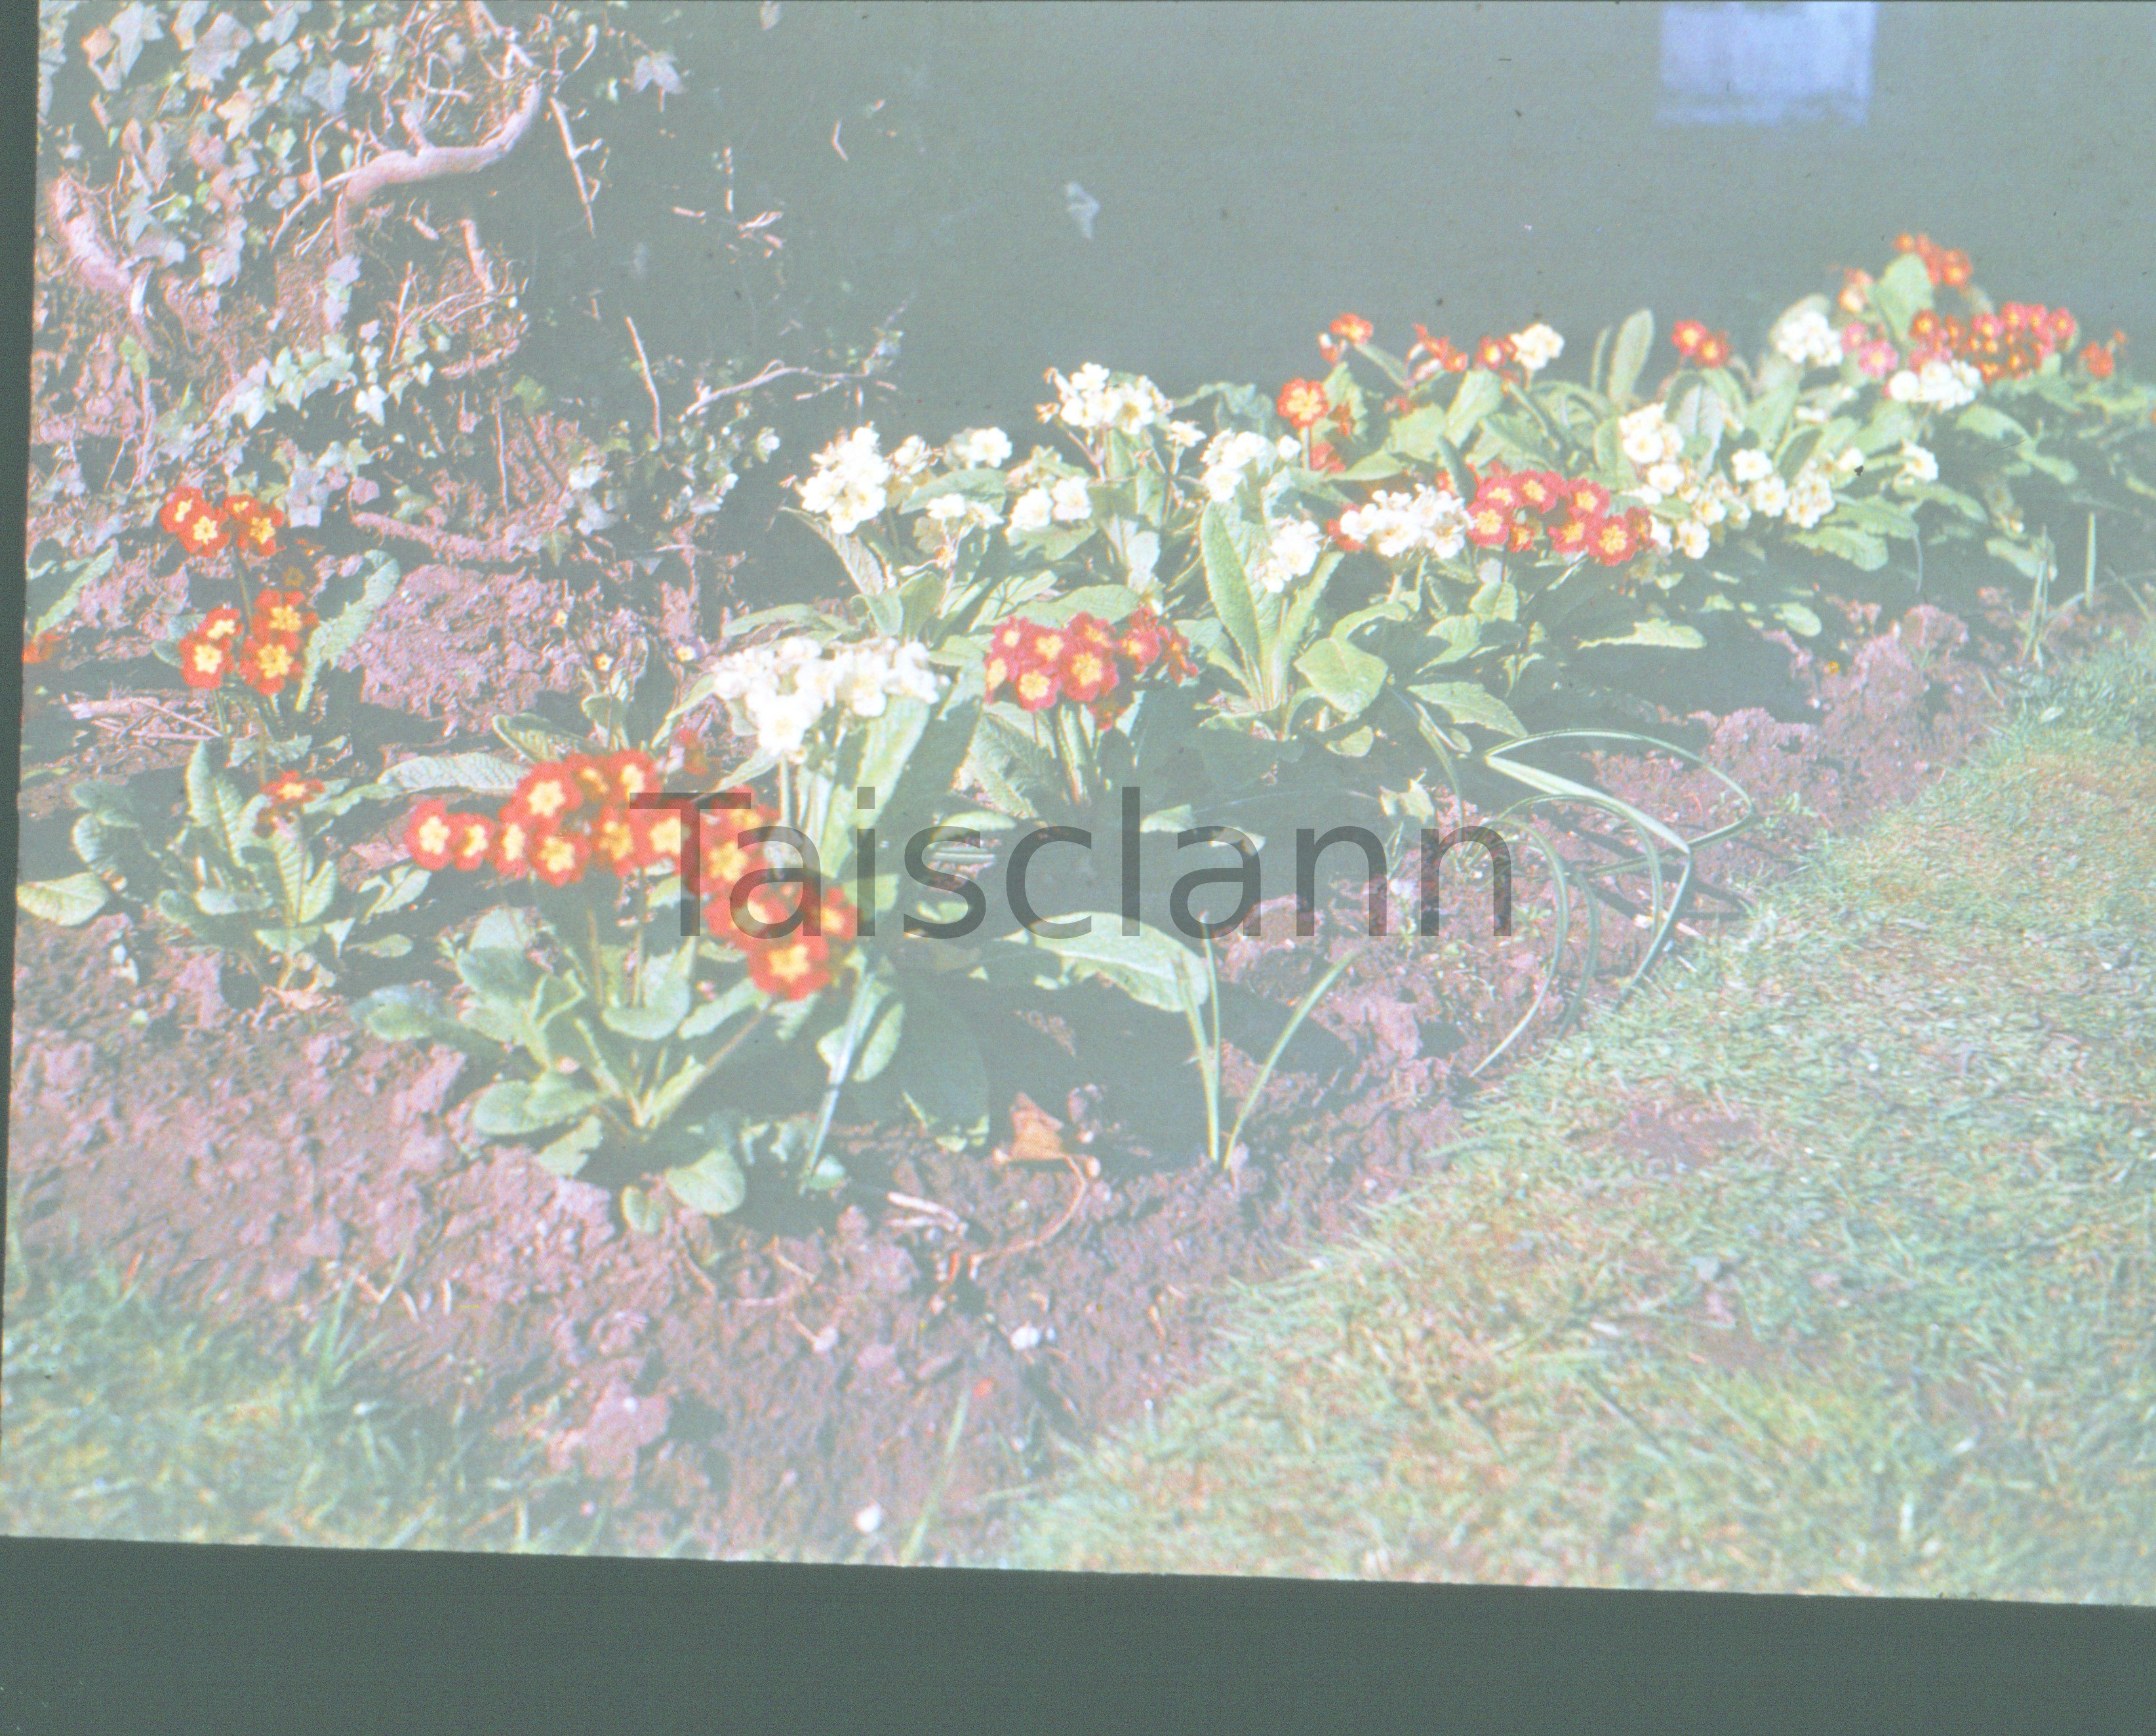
{"type": "Point", "coordinates": [267, 665]}
{"type": "Point", "coordinates": [1588, 499]}
{"type": "Point", "coordinates": [221, 626]}
{"type": "Point", "coordinates": [39, 647]}
{"type": "Point", "coordinates": [1686, 334]}
{"type": "Point", "coordinates": [658, 835]}
{"type": "Point", "coordinates": [291, 789]}
{"type": "Point", "coordinates": [1036, 687]}
{"type": "Point", "coordinates": [203, 661]}
{"type": "Point", "coordinates": [1352, 328]}
{"type": "Point", "coordinates": [204, 532]}
{"type": "Point", "coordinates": [1325, 460]}
{"type": "Point", "coordinates": [791, 969]}
{"type": "Point", "coordinates": [558, 858]}
{"type": "Point", "coordinates": [1088, 671]}
{"type": "Point", "coordinates": [1488, 526]}
{"type": "Point", "coordinates": [1569, 537]}
{"type": "Point", "coordinates": [430, 833]}
{"type": "Point", "coordinates": [182, 503]}
{"type": "Point", "coordinates": [590, 776]}
{"type": "Point", "coordinates": [1500, 490]}
{"type": "Point", "coordinates": [634, 774]}
{"type": "Point", "coordinates": [281, 615]}
{"type": "Point", "coordinates": [614, 840]}
{"type": "Point", "coordinates": [547, 793]}
{"type": "Point", "coordinates": [1494, 353]}
{"type": "Point", "coordinates": [1140, 641]}
{"type": "Point", "coordinates": [253, 524]}
{"type": "Point", "coordinates": [1303, 403]}
{"type": "Point", "coordinates": [1713, 350]}
{"type": "Point", "coordinates": [1539, 491]}
{"type": "Point", "coordinates": [1524, 534]}
{"type": "Point", "coordinates": [1612, 541]}
{"type": "Point", "coordinates": [2098, 362]}
{"type": "Point", "coordinates": [472, 843]}
{"type": "Point", "coordinates": [511, 856]}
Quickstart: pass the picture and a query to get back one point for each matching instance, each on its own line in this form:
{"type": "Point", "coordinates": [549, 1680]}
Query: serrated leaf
{"type": "Point", "coordinates": [1466, 702]}
{"type": "Point", "coordinates": [1478, 392]}
{"type": "Point", "coordinates": [483, 773]}
{"type": "Point", "coordinates": [739, 998]}
{"type": "Point", "coordinates": [69, 901]}
{"type": "Point", "coordinates": [1865, 550]}
{"type": "Point", "coordinates": [1902, 291]}
{"type": "Point", "coordinates": [1348, 678]}
{"type": "Point", "coordinates": [1628, 355]}
{"type": "Point", "coordinates": [338, 635]}
{"type": "Point", "coordinates": [1229, 585]}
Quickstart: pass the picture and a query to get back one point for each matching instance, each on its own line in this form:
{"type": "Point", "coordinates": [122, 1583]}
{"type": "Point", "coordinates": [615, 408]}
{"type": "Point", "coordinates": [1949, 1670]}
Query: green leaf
{"type": "Point", "coordinates": [1799, 620]}
{"type": "Point", "coordinates": [48, 609]}
{"type": "Point", "coordinates": [713, 1185]}
{"type": "Point", "coordinates": [498, 974]}
{"type": "Point", "coordinates": [508, 1107]}
{"type": "Point", "coordinates": [739, 998]}
{"type": "Point", "coordinates": [887, 1026]}
{"type": "Point", "coordinates": [570, 1153]}
{"type": "Point", "coordinates": [644, 1214]}
{"type": "Point", "coordinates": [213, 804]}
{"type": "Point", "coordinates": [1150, 968]}
{"type": "Point", "coordinates": [940, 1071]}
{"type": "Point", "coordinates": [1988, 422]}
{"type": "Point", "coordinates": [532, 736]}
{"type": "Point", "coordinates": [1902, 291]}
{"type": "Point", "coordinates": [1230, 586]}
{"type": "Point", "coordinates": [1669, 635]}
{"type": "Point", "coordinates": [486, 773]}
{"type": "Point", "coordinates": [1478, 392]}
{"type": "Point", "coordinates": [1413, 436]}
{"type": "Point", "coordinates": [70, 901]}
{"type": "Point", "coordinates": [1111, 603]}
{"type": "Point", "coordinates": [1865, 550]}
{"type": "Point", "coordinates": [403, 1013]}
{"type": "Point", "coordinates": [666, 1007]}
{"type": "Point", "coordinates": [1466, 702]}
{"type": "Point", "coordinates": [113, 803]}
{"type": "Point", "coordinates": [1628, 355]}
{"type": "Point", "coordinates": [2029, 562]}
{"type": "Point", "coordinates": [336, 636]}
{"type": "Point", "coordinates": [1348, 678]}
{"type": "Point", "coordinates": [505, 928]}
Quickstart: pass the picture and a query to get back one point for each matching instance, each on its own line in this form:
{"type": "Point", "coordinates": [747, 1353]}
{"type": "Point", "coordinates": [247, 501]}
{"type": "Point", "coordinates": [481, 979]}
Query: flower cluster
{"type": "Point", "coordinates": [264, 648]}
{"type": "Point", "coordinates": [1807, 337]}
{"type": "Point", "coordinates": [851, 481]}
{"type": "Point", "coordinates": [238, 521]}
{"type": "Point", "coordinates": [1395, 525]}
{"type": "Point", "coordinates": [1230, 456]}
{"type": "Point", "coordinates": [1517, 358]}
{"type": "Point", "coordinates": [1701, 347]}
{"type": "Point", "coordinates": [1948, 266]}
{"type": "Point", "coordinates": [1093, 402]}
{"type": "Point", "coordinates": [784, 689]}
{"type": "Point", "coordinates": [563, 817]}
{"type": "Point", "coordinates": [786, 943]}
{"type": "Point", "coordinates": [1342, 335]}
{"type": "Point", "coordinates": [283, 798]}
{"type": "Point", "coordinates": [1518, 510]}
{"type": "Point", "coordinates": [1088, 660]}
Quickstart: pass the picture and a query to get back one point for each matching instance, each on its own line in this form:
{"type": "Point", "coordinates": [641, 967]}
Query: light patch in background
{"type": "Point", "coordinates": [1766, 65]}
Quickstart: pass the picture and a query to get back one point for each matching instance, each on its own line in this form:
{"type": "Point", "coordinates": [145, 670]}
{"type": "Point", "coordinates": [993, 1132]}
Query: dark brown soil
{"type": "Point", "coordinates": [788, 1386]}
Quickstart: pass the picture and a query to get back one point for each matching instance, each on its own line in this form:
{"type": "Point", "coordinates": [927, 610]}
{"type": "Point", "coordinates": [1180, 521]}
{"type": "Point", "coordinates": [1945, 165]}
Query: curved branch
{"type": "Point", "coordinates": [430, 162]}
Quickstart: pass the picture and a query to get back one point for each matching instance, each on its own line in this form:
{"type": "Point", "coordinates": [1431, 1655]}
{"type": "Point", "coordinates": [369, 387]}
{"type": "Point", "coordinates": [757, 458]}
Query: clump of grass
{"type": "Point", "coordinates": [124, 1418]}
{"type": "Point", "coordinates": [1827, 1264]}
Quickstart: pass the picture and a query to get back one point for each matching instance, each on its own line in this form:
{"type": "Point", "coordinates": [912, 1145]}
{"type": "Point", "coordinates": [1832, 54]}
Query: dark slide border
{"type": "Point", "coordinates": [127, 1638]}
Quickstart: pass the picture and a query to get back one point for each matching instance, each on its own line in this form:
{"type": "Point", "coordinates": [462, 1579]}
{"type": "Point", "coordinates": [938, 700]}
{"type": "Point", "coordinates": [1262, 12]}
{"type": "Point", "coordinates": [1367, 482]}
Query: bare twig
{"type": "Point", "coordinates": [569, 146]}
{"type": "Point", "coordinates": [643, 361]}
{"type": "Point", "coordinates": [447, 544]}
{"type": "Point", "coordinates": [406, 168]}
{"type": "Point", "coordinates": [501, 457]}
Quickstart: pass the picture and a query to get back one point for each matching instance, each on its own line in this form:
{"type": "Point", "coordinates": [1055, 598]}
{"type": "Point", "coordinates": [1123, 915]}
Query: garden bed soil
{"type": "Point", "coordinates": [786, 1383]}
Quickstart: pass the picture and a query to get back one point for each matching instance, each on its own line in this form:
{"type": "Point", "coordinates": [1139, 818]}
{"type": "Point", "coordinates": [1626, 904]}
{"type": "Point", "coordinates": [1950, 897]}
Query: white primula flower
{"type": "Point", "coordinates": [980, 448]}
{"type": "Point", "coordinates": [1182, 436]}
{"type": "Point", "coordinates": [1811, 499]}
{"type": "Point", "coordinates": [1750, 465]}
{"type": "Point", "coordinates": [1536, 347]}
{"type": "Point", "coordinates": [1770, 496]}
{"type": "Point", "coordinates": [1391, 525]}
{"type": "Point", "coordinates": [1693, 539]}
{"type": "Point", "coordinates": [957, 514]}
{"type": "Point", "coordinates": [1070, 501]}
{"type": "Point", "coordinates": [1807, 338]}
{"type": "Point", "coordinates": [1850, 463]}
{"type": "Point", "coordinates": [1661, 534]}
{"type": "Point", "coordinates": [1288, 449]}
{"type": "Point", "coordinates": [1919, 464]}
{"type": "Point", "coordinates": [913, 455]}
{"type": "Point", "coordinates": [1293, 552]}
{"type": "Point", "coordinates": [1666, 478]}
{"type": "Point", "coordinates": [782, 690]}
{"type": "Point", "coordinates": [1091, 400]}
{"type": "Point", "coordinates": [850, 483]}
{"type": "Point", "coordinates": [1648, 436]}
{"type": "Point", "coordinates": [1032, 514]}
{"type": "Point", "coordinates": [1139, 548]}
{"type": "Point", "coordinates": [1228, 455]}
{"type": "Point", "coordinates": [766, 442]}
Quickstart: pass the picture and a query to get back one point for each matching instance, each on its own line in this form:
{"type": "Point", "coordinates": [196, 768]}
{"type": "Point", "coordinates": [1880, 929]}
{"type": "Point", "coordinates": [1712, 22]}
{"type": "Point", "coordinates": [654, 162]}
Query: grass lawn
{"type": "Point", "coordinates": [1825, 1265]}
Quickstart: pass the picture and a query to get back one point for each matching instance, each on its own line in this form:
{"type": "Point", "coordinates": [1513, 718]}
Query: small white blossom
{"type": "Point", "coordinates": [1293, 552]}
{"type": "Point", "coordinates": [1536, 347]}
{"type": "Point", "coordinates": [1090, 400]}
{"type": "Point", "coordinates": [1032, 514]}
{"type": "Point", "coordinates": [1769, 496]}
{"type": "Point", "coordinates": [1750, 465]}
{"type": "Point", "coordinates": [958, 514]}
{"type": "Point", "coordinates": [1070, 502]}
{"type": "Point", "coordinates": [1666, 478]}
{"type": "Point", "coordinates": [1648, 436]}
{"type": "Point", "coordinates": [1228, 455]}
{"type": "Point", "coordinates": [1182, 436]}
{"type": "Point", "coordinates": [1919, 464]}
{"type": "Point", "coordinates": [1944, 385]}
{"type": "Point", "coordinates": [1811, 498]}
{"type": "Point", "coordinates": [1850, 462]}
{"type": "Point", "coordinates": [851, 481]}
{"type": "Point", "coordinates": [784, 690]}
{"type": "Point", "coordinates": [1693, 539]}
{"type": "Point", "coordinates": [1807, 338]}
{"type": "Point", "coordinates": [980, 448]}
{"type": "Point", "coordinates": [766, 442]}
